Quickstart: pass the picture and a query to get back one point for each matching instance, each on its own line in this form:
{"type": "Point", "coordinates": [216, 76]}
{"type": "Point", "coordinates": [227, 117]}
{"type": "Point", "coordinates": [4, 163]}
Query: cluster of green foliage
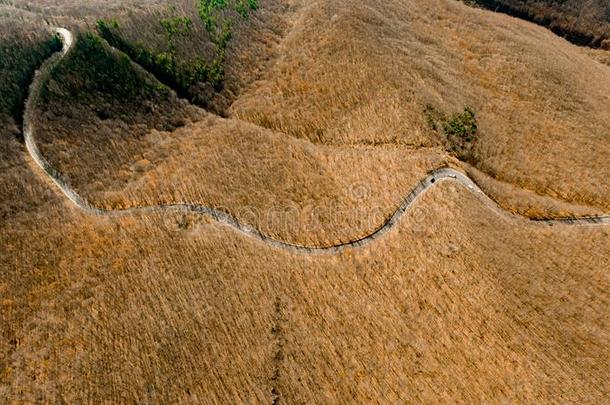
{"type": "Point", "coordinates": [207, 11]}
{"type": "Point", "coordinates": [18, 62]}
{"type": "Point", "coordinates": [219, 28]}
{"type": "Point", "coordinates": [93, 71]}
{"type": "Point", "coordinates": [458, 132]}
{"type": "Point", "coordinates": [211, 14]}
{"type": "Point", "coordinates": [174, 27]}
{"type": "Point", "coordinates": [165, 64]}
{"type": "Point", "coordinates": [244, 7]}
{"type": "Point", "coordinates": [463, 125]}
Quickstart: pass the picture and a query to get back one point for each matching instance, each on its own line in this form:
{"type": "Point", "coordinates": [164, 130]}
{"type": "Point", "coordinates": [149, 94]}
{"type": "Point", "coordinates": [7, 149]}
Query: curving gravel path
{"type": "Point", "coordinates": [439, 175]}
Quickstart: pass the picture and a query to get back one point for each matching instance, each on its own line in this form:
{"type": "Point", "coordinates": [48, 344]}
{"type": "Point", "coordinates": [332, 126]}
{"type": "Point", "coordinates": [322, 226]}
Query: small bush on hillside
{"type": "Point", "coordinates": [211, 12]}
{"type": "Point", "coordinates": [462, 125]}
{"type": "Point", "coordinates": [458, 132]}
{"type": "Point", "coordinates": [208, 10]}
{"type": "Point", "coordinates": [174, 27]}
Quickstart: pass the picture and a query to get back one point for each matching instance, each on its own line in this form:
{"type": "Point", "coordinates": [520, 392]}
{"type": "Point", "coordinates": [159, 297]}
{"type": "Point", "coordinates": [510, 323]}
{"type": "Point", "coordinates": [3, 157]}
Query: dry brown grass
{"type": "Point", "coordinates": [290, 189]}
{"type": "Point", "coordinates": [600, 55]}
{"type": "Point", "coordinates": [81, 10]}
{"type": "Point", "coordinates": [543, 125]}
{"type": "Point", "coordinates": [363, 73]}
{"type": "Point", "coordinates": [455, 304]}
{"type": "Point", "coordinates": [528, 203]}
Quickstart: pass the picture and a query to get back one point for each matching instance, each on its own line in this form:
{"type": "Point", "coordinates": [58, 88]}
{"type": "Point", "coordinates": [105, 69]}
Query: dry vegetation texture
{"type": "Point", "coordinates": [81, 10]}
{"type": "Point", "coordinates": [363, 73]}
{"type": "Point", "coordinates": [600, 55]}
{"type": "Point", "coordinates": [323, 136]}
{"type": "Point", "coordinates": [23, 47]}
{"type": "Point", "coordinates": [456, 304]}
{"type": "Point", "coordinates": [354, 79]}
{"type": "Point", "coordinates": [582, 22]}
{"type": "Point", "coordinates": [527, 203]}
{"type": "Point", "coordinates": [314, 197]}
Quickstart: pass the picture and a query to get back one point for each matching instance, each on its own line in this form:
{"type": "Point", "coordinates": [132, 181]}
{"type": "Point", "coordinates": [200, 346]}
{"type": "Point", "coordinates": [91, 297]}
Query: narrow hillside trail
{"type": "Point", "coordinates": [433, 178]}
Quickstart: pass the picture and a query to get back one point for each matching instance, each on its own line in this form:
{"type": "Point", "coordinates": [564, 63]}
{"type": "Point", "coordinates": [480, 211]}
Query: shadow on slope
{"type": "Point", "coordinates": [585, 23]}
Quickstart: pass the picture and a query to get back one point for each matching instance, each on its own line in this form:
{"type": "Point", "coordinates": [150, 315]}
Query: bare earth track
{"type": "Point", "coordinates": [436, 176]}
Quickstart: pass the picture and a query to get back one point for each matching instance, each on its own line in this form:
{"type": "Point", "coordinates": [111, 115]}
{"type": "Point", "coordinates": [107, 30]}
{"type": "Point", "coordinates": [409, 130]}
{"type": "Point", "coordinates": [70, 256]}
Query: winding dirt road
{"type": "Point", "coordinates": [435, 177]}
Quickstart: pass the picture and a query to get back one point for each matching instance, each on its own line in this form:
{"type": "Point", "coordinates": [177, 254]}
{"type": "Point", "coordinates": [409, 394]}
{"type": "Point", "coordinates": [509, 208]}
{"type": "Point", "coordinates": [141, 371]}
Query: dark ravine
{"type": "Point", "coordinates": [572, 35]}
{"type": "Point", "coordinates": [431, 180]}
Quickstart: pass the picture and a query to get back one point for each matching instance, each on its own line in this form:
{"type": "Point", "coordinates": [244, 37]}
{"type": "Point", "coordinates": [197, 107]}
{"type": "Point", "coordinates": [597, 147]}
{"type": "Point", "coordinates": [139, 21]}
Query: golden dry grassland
{"type": "Point", "coordinates": [364, 72]}
{"type": "Point", "coordinates": [456, 304]}
{"type": "Point", "coordinates": [360, 81]}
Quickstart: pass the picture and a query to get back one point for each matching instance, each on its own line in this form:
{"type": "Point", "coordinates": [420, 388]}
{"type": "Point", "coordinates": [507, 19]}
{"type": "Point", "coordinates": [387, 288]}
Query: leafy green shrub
{"type": "Point", "coordinates": [208, 10]}
{"type": "Point", "coordinates": [216, 17]}
{"type": "Point", "coordinates": [253, 4]}
{"type": "Point", "coordinates": [176, 27]}
{"type": "Point", "coordinates": [463, 125]}
{"type": "Point", "coordinates": [457, 133]}
{"type": "Point", "coordinates": [244, 7]}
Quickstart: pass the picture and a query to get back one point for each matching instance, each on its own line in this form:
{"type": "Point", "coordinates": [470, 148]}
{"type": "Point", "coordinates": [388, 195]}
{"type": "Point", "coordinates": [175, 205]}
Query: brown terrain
{"type": "Point", "coordinates": [328, 113]}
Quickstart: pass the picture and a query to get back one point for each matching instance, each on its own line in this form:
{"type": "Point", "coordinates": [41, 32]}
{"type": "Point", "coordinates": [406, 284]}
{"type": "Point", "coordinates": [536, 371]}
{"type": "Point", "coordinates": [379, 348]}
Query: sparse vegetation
{"type": "Point", "coordinates": [97, 98]}
{"type": "Point", "coordinates": [456, 304]}
{"type": "Point", "coordinates": [165, 65]}
{"type": "Point", "coordinates": [174, 27]}
{"type": "Point", "coordinates": [462, 125]}
{"type": "Point", "coordinates": [94, 77]}
{"type": "Point", "coordinates": [213, 14]}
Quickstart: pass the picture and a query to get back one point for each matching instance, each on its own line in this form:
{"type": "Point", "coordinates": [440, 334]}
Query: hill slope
{"type": "Point", "coordinates": [349, 109]}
